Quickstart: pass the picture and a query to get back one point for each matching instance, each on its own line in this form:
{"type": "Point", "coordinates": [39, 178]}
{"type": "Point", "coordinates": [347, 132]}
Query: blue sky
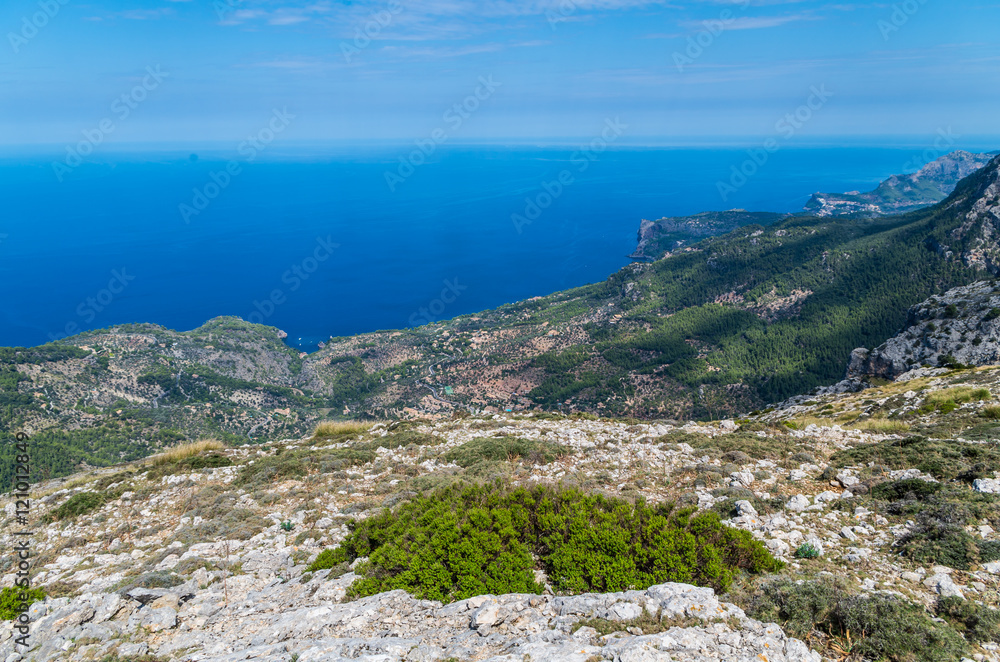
{"type": "Point", "coordinates": [563, 67]}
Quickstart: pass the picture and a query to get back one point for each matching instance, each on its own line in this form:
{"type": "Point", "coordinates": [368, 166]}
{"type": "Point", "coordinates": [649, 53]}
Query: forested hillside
{"type": "Point", "coordinates": [720, 328]}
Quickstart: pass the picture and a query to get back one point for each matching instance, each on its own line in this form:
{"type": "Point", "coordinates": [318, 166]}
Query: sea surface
{"type": "Point", "coordinates": [316, 241]}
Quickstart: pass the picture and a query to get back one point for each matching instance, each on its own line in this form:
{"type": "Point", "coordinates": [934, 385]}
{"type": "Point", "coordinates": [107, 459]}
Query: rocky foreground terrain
{"type": "Point", "coordinates": [204, 555]}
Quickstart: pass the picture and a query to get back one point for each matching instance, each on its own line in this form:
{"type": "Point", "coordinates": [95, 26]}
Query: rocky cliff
{"type": "Point", "coordinates": [666, 234]}
{"type": "Point", "coordinates": [959, 327]}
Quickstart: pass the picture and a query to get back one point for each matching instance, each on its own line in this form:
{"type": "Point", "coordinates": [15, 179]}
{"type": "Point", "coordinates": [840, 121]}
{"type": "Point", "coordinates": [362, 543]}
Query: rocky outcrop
{"type": "Point", "coordinates": [962, 326]}
{"type": "Point", "coordinates": [979, 234]}
{"type": "Point", "coordinates": [302, 620]}
{"type": "Point", "coordinates": [669, 233]}
{"type": "Point", "coordinates": [902, 193]}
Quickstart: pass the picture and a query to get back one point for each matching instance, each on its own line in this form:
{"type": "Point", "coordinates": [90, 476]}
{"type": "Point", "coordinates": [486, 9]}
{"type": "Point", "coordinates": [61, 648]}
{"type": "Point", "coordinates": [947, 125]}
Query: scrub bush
{"type": "Point", "coordinates": [464, 541]}
{"type": "Point", "coordinates": [871, 627]}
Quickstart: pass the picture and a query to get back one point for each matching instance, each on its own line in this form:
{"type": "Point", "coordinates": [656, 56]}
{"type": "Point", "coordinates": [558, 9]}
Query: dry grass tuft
{"type": "Point", "coordinates": [328, 429]}
{"type": "Point", "coordinates": [185, 451]}
{"type": "Point", "coordinates": [958, 395]}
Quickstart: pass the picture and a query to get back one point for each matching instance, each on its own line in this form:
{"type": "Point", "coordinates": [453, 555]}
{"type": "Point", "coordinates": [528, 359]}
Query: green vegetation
{"type": "Point", "coordinates": [947, 400]}
{"type": "Point", "coordinates": [939, 538]}
{"type": "Point", "coordinates": [153, 579]}
{"type": "Point", "coordinates": [806, 551]}
{"type": "Point", "coordinates": [875, 627]}
{"type": "Point", "coordinates": [990, 413]}
{"type": "Point", "coordinates": [12, 598]}
{"type": "Point", "coordinates": [196, 383]}
{"type": "Point", "coordinates": [940, 513]}
{"type": "Point", "coordinates": [648, 623]}
{"type": "Point", "coordinates": [978, 623]}
{"type": "Point", "coordinates": [484, 449]}
{"type": "Point", "coordinates": [287, 465]}
{"type": "Point", "coordinates": [470, 540]}
{"type": "Point", "coordinates": [942, 459]}
{"type": "Point", "coordinates": [207, 460]}
{"type": "Point", "coordinates": [56, 453]}
{"type": "Point", "coordinates": [14, 404]}
{"type": "Point", "coordinates": [912, 489]}
{"type": "Point", "coordinates": [830, 285]}
{"type": "Point", "coordinates": [80, 503]}
{"type": "Point", "coordinates": [774, 446]}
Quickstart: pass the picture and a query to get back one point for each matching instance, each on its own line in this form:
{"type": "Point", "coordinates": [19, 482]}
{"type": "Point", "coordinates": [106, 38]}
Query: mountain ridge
{"type": "Point", "coordinates": [896, 195]}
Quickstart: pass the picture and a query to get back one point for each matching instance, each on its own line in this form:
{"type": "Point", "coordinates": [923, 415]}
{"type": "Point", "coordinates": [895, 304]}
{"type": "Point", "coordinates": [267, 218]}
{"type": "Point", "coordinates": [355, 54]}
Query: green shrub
{"type": "Point", "coordinates": [728, 509]}
{"type": "Point", "coordinates": [894, 629]}
{"type": "Point", "coordinates": [882, 627]}
{"type": "Point", "coordinates": [648, 623]}
{"type": "Point", "coordinates": [189, 464]}
{"type": "Point", "coordinates": [329, 559]}
{"type": "Point", "coordinates": [403, 439]}
{"type": "Point", "coordinates": [78, 504]}
{"type": "Point", "coordinates": [990, 413]}
{"type": "Point", "coordinates": [505, 448]}
{"type": "Point", "coordinates": [140, 658]}
{"type": "Point", "coordinates": [977, 622]}
{"type": "Point", "coordinates": [235, 524]}
{"type": "Point", "coordinates": [299, 464]}
{"type": "Point", "coordinates": [772, 447]}
{"type": "Point", "coordinates": [989, 551]}
{"type": "Point", "coordinates": [912, 489]}
{"type": "Point", "coordinates": [942, 459]}
{"type": "Point", "coordinates": [154, 579]}
{"type": "Point", "coordinates": [12, 598]}
{"type": "Point", "coordinates": [939, 537]}
{"type": "Point", "coordinates": [806, 551]}
{"type": "Point", "coordinates": [464, 541]}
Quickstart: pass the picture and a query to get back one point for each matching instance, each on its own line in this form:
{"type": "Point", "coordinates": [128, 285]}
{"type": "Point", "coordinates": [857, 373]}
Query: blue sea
{"type": "Point", "coordinates": [316, 241]}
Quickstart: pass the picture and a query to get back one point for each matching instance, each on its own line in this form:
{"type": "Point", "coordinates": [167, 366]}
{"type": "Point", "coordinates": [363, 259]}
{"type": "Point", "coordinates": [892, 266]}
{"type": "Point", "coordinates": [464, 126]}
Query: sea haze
{"type": "Point", "coordinates": [109, 243]}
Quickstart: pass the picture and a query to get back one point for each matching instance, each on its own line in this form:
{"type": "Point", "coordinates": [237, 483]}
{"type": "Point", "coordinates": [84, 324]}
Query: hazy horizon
{"type": "Point", "coordinates": [190, 71]}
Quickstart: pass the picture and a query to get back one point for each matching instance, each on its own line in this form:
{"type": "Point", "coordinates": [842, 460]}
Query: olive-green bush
{"type": "Point", "coordinates": [472, 540]}
{"type": "Point", "coordinates": [942, 459]}
{"type": "Point", "coordinates": [287, 465]}
{"type": "Point", "coordinates": [484, 449]}
{"type": "Point", "coordinates": [189, 464]}
{"type": "Point", "coordinates": [977, 622]}
{"type": "Point", "coordinates": [881, 627]}
{"type": "Point", "coordinates": [939, 537]}
{"type": "Point", "coordinates": [12, 598]}
{"type": "Point", "coordinates": [78, 504]}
